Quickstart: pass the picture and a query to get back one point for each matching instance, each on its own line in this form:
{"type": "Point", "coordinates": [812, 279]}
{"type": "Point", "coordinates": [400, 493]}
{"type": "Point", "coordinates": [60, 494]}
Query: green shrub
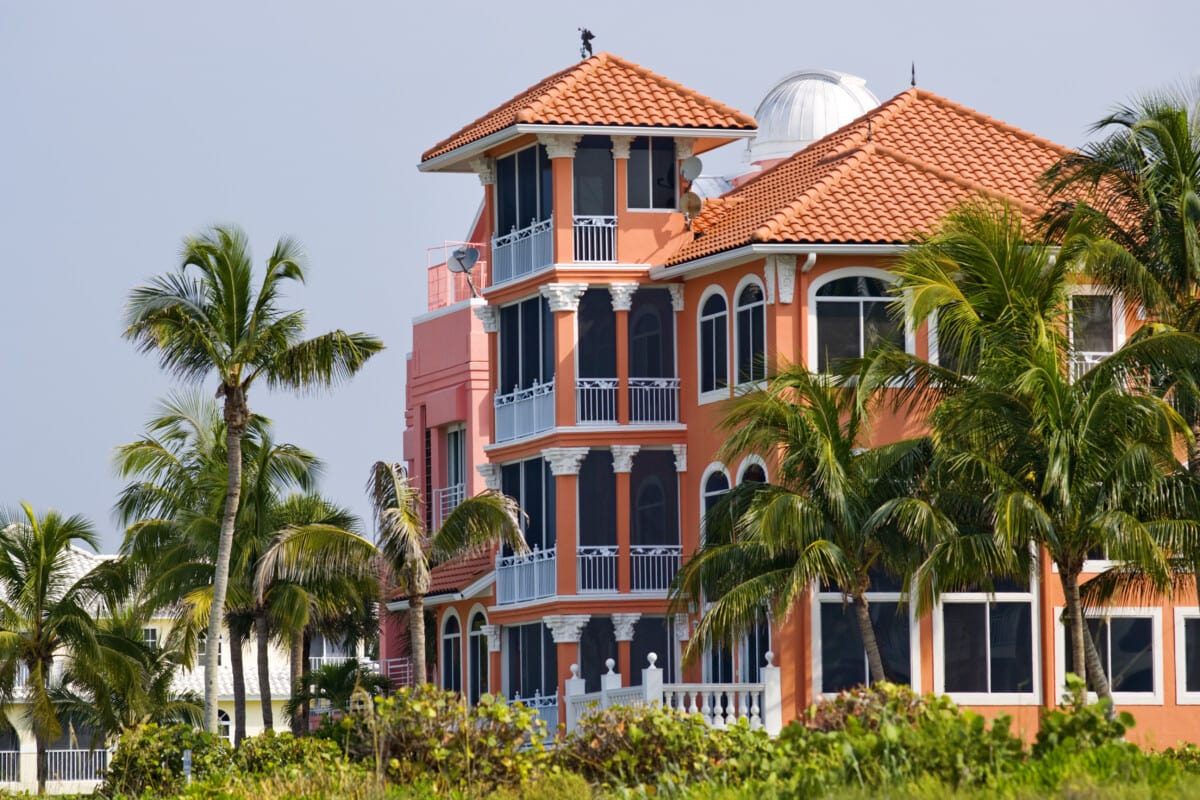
{"type": "Point", "coordinates": [635, 745]}
{"type": "Point", "coordinates": [269, 751]}
{"type": "Point", "coordinates": [1079, 725]}
{"type": "Point", "coordinates": [554, 785]}
{"type": "Point", "coordinates": [149, 760]}
{"type": "Point", "coordinates": [426, 733]}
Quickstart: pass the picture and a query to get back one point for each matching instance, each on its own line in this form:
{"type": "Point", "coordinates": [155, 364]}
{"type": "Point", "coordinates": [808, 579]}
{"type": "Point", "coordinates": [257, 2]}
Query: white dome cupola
{"type": "Point", "coordinates": [805, 106]}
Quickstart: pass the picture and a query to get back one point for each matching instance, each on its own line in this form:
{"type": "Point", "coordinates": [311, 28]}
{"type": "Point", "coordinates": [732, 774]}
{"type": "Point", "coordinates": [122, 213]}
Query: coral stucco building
{"type": "Point", "coordinates": [586, 381]}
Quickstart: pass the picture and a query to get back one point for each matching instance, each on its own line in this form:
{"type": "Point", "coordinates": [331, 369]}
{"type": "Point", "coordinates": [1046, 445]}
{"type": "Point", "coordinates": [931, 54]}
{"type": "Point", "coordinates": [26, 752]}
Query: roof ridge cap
{"type": "Point", "coordinates": [904, 158]}
{"type": "Point", "coordinates": [945, 102]}
{"type": "Point", "coordinates": [850, 160]}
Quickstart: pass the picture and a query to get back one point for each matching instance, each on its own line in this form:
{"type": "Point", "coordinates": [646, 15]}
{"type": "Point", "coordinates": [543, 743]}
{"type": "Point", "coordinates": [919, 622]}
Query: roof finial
{"type": "Point", "coordinates": [585, 42]}
{"type": "Point", "coordinates": [914, 73]}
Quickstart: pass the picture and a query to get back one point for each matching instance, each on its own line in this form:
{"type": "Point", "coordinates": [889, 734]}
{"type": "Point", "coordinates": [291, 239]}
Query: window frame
{"type": "Point", "coordinates": [150, 637]}
{"type": "Point", "coordinates": [749, 308]}
{"type": "Point", "coordinates": [539, 155]}
{"type": "Point", "coordinates": [1154, 698]}
{"type": "Point", "coordinates": [752, 460]}
{"type": "Point", "coordinates": [1118, 313]}
{"type": "Point", "coordinates": [814, 350]}
{"type": "Point", "coordinates": [474, 639]}
{"type": "Point", "coordinates": [914, 634]}
{"type": "Point", "coordinates": [649, 176]}
{"type": "Point", "coordinates": [455, 450]}
{"type": "Point", "coordinates": [1030, 698]}
{"type": "Point", "coordinates": [545, 346]}
{"type": "Point", "coordinates": [719, 392]}
{"type": "Point", "coordinates": [443, 640]}
{"type": "Point", "coordinates": [1183, 697]}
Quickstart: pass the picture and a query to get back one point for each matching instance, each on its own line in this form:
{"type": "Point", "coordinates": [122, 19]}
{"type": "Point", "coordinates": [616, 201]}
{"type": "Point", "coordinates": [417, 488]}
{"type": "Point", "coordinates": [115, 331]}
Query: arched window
{"type": "Point", "coordinates": [452, 654]}
{"type": "Point", "coordinates": [750, 339]}
{"type": "Point", "coordinates": [224, 725]}
{"type": "Point", "coordinates": [752, 472]}
{"type": "Point", "coordinates": [715, 485]}
{"type": "Point", "coordinates": [852, 318]}
{"type": "Point", "coordinates": [714, 347]}
{"type": "Point", "coordinates": [645, 344]}
{"type": "Point", "coordinates": [477, 667]}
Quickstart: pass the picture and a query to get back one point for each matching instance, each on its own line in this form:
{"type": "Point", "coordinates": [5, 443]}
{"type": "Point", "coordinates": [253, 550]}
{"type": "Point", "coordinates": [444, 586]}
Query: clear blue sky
{"type": "Point", "coordinates": [125, 126]}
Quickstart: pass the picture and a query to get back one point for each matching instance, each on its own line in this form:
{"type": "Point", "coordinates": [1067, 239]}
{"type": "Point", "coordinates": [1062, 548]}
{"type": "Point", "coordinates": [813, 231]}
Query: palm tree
{"type": "Point", "coordinates": [1063, 462]}
{"type": "Point", "coordinates": [206, 318]}
{"type": "Point", "coordinates": [404, 547]}
{"type": "Point", "coordinates": [337, 684]}
{"type": "Point", "coordinates": [47, 612]}
{"type": "Point", "coordinates": [768, 543]}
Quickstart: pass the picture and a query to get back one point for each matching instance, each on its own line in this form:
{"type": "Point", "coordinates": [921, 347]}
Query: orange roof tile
{"type": "Point", "coordinates": [602, 90]}
{"type": "Point", "coordinates": [455, 575]}
{"type": "Point", "coordinates": [883, 178]}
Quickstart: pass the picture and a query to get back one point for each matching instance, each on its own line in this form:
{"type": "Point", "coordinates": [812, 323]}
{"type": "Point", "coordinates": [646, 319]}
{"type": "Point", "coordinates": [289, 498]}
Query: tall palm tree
{"type": "Point", "coordinates": [1063, 462]}
{"type": "Point", "coordinates": [768, 543]}
{"type": "Point", "coordinates": [405, 549]}
{"type": "Point", "coordinates": [1132, 199]}
{"type": "Point", "coordinates": [47, 613]}
{"type": "Point", "coordinates": [206, 318]}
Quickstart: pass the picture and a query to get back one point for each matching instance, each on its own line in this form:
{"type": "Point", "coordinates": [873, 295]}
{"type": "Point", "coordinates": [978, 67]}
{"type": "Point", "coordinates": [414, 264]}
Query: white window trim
{"type": "Point", "coordinates": [674, 209]}
{"type": "Point", "coordinates": [721, 392]}
{"type": "Point", "coordinates": [1182, 696]}
{"type": "Point", "coordinates": [1119, 698]}
{"type": "Point", "coordinates": [914, 634]}
{"type": "Point", "coordinates": [520, 350]}
{"type": "Point", "coordinates": [747, 280]}
{"type": "Point", "coordinates": [747, 462]}
{"type": "Point", "coordinates": [537, 183]}
{"type": "Point", "coordinates": [1030, 698]}
{"type": "Point", "coordinates": [446, 617]}
{"type": "Point", "coordinates": [477, 609]}
{"type": "Point", "coordinates": [910, 339]}
{"type": "Point", "coordinates": [1118, 310]}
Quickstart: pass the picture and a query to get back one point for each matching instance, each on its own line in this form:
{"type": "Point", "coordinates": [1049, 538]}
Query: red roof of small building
{"type": "Point", "coordinates": [455, 575]}
{"type": "Point", "coordinates": [602, 90]}
{"type": "Point", "coordinates": [883, 178]}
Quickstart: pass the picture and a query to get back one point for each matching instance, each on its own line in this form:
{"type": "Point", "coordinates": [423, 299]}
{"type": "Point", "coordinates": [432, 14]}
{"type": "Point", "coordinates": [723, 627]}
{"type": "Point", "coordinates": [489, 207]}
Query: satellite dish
{"type": "Point", "coordinates": [690, 204]}
{"type": "Point", "coordinates": [462, 259]}
{"type": "Point", "coordinates": [690, 168]}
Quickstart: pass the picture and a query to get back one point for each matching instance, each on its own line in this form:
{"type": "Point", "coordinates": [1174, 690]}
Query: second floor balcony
{"type": "Point", "coordinates": [520, 578]}
{"type": "Point", "coordinates": [651, 400]}
{"type": "Point", "coordinates": [524, 412]}
{"type": "Point", "coordinates": [522, 252]}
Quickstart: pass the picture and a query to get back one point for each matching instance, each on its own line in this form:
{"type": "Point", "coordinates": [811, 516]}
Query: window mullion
{"type": "Point", "coordinates": [987, 642]}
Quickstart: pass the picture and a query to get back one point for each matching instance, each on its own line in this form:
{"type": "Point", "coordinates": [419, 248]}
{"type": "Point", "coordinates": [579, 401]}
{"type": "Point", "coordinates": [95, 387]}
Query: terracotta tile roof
{"type": "Point", "coordinates": [880, 179]}
{"type": "Point", "coordinates": [456, 574]}
{"type": "Point", "coordinates": [602, 90]}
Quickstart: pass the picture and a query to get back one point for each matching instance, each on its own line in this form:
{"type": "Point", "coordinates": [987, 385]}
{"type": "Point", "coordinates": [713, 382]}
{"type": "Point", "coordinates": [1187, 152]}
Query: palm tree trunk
{"type": "Point", "coordinates": [416, 638]}
{"type": "Point", "coordinates": [236, 653]}
{"type": "Point", "coordinates": [297, 666]}
{"type": "Point", "coordinates": [305, 660]}
{"type": "Point", "coordinates": [1084, 657]}
{"type": "Point", "coordinates": [262, 632]}
{"type": "Point", "coordinates": [42, 766]}
{"type": "Point", "coordinates": [236, 417]}
{"type": "Point", "coordinates": [1096, 667]}
{"type": "Point", "coordinates": [867, 631]}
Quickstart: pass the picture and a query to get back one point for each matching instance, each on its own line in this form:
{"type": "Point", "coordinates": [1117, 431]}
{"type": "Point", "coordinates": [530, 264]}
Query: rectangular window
{"type": "Point", "coordinates": [987, 647]}
{"type": "Point", "coordinates": [1128, 643]}
{"type": "Point", "coordinates": [1187, 655]}
{"type": "Point", "coordinates": [526, 344]}
{"type": "Point", "coordinates": [531, 660]}
{"type": "Point", "coordinates": [594, 177]}
{"type": "Point", "coordinates": [651, 174]}
{"type": "Point", "coordinates": [202, 647]}
{"type": "Point", "coordinates": [150, 638]}
{"type": "Point", "coordinates": [456, 456]}
{"type": "Point", "coordinates": [523, 182]}
{"type": "Point", "coordinates": [1092, 323]}
{"type": "Point", "coordinates": [531, 484]}
{"type": "Point", "coordinates": [843, 657]}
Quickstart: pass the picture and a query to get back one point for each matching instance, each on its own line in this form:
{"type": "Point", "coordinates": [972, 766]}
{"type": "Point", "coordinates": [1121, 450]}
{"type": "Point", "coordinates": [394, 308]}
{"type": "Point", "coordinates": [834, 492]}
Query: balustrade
{"type": "Point", "coordinates": [526, 577]}
{"type": "Point", "coordinates": [524, 412]}
{"type": "Point", "coordinates": [446, 500]}
{"type": "Point", "coordinates": [654, 400]}
{"type": "Point", "coordinates": [522, 252]}
{"type": "Point", "coordinates": [76, 765]}
{"type": "Point", "coordinates": [597, 568]}
{"type": "Point", "coordinates": [595, 238]}
{"type": "Point", "coordinates": [596, 399]}
{"type": "Point", "coordinates": [654, 566]}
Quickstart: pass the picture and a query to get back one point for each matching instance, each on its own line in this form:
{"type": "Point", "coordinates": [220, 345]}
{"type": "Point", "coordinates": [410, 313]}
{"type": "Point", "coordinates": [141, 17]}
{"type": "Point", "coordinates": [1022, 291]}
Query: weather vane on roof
{"type": "Point", "coordinates": [914, 73]}
{"type": "Point", "coordinates": [585, 42]}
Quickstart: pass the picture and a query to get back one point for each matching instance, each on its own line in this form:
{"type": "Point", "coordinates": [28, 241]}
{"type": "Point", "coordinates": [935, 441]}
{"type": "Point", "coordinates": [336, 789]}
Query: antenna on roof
{"type": "Point", "coordinates": [585, 42]}
{"type": "Point", "coordinates": [914, 73]}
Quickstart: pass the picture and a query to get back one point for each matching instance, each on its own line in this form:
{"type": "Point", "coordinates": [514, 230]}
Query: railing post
{"type": "Point", "coordinates": [772, 710]}
{"type": "Point", "coordinates": [574, 686]}
{"type": "Point", "coordinates": [611, 679]}
{"type": "Point", "coordinates": [652, 682]}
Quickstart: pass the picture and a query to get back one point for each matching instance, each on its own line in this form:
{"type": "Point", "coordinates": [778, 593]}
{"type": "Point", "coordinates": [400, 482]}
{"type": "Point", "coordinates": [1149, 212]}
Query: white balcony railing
{"type": "Point", "coordinates": [597, 568]}
{"type": "Point", "coordinates": [596, 399]}
{"type": "Point", "coordinates": [595, 238]}
{"type": "Point", "coordinates": [10, 766]}
{"type": "Point", "coordinates": [399, 671]}
{"type": "Point", "coordinates": [524, 412]}
{"type": "Point", "coordinates": [316, 662]}
{"type": "Point", "coordinates": [76, 765]}
{"type": "Point", "coordinates": [1082, 361]}
{"type": "Point", "coordinates": [546, 707]}
{"type": "Point", "coordinates": [654, 400]}
{"type": "Point", "coordinates": [528, 577]}
{"type": "Point", "coordinates": [522, 252]}
{"type": "Point", "coordinates": [653, 566]}
{"type": "Point", "coordinates": [446, 500]}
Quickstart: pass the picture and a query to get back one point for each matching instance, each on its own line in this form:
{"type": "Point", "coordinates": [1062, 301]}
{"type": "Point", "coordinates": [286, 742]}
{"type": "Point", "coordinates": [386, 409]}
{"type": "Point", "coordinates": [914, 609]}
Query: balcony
{"type": "Point", "coordinates": [654, 566]}
{"type": "Point", "coordinates": [524, 412]}
{"type": "Point", "coordinates": [597, 568]}
{"type": "Point", "coordinates": [528, 577]}
{"type": "Point", "coordinates": [522, 252]}
{"type": "Point", "coordinates": [399, 671]}
{"type": "Point", "coordinates": [595, 238]}
{"type": "Point", "coordinates": [445, 288]}
{"type": "Point", "coordinates": [1082, 361]}
{"type": "Point", "coordinates": [596, 399]}
{"type": "Point", "coordinates": [653, 400]}
{"type": "Point", "coordinates": [446, 500]}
